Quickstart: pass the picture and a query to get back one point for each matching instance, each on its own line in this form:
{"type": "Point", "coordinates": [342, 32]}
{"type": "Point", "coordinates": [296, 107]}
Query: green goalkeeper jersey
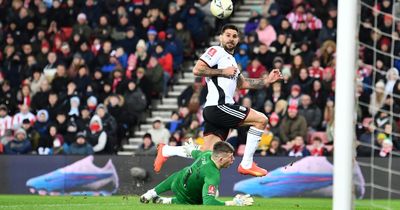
{"type": "Point", "coordinates": [202, 176]}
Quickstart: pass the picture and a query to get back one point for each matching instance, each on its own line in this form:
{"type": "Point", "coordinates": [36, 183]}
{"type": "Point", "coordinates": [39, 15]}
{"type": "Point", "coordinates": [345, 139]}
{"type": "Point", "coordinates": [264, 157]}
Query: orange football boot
{"type": "Point", "coordinates": [253, 171]}
{"type": "Point", "coordinates": [160, 159]}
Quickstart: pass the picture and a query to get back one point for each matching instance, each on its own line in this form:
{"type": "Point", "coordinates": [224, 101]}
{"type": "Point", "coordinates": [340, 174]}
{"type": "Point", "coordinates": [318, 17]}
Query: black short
{"type": "Point", "coordinates": [220, 119]}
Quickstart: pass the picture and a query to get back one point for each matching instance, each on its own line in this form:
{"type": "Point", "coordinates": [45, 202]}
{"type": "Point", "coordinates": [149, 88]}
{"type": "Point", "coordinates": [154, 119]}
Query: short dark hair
{"type": "Point", "coordinates": [229, 26]}
{"type": "Point", "coordinates": [222, 147]}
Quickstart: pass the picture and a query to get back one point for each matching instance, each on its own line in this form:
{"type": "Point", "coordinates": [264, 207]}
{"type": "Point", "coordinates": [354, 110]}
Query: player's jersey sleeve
{"type": "Point", "coordinates": [210, 189]}
{"type": "Point", "coordinates": [212, 56]}
{"type": "Point", "coordinates": [196, 153]}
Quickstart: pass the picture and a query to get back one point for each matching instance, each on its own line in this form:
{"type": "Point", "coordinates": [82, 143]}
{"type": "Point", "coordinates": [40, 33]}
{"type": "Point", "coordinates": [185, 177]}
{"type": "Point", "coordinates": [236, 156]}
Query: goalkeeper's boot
{"type": "Point", "coordinates": [160, 158]}
{"type": "Point", "coordinates": [254, 170]}
{"type": "Point", "coordinates": [148, 196]}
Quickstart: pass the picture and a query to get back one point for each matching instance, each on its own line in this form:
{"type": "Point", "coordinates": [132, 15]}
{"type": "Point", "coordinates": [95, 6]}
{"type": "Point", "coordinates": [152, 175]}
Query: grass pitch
{"type": "Point", "coordinates": [32, 202]}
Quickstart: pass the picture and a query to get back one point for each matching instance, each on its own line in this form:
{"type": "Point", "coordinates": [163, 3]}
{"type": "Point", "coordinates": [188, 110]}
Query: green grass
{"type": "Point", "coordinates": [31, 202]}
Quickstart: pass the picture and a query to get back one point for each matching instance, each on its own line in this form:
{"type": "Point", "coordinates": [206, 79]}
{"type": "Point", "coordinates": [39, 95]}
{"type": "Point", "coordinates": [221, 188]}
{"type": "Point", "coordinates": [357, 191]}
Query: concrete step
{"type": "Point", "coordinates": [162, 114]}
{"type": "Point", "coordinates": [247, 7]}
{"type": "Point", "coordinates": [170, 100]}
{"type": "Point", "coordinates": [258, 2]}
{"type": "Point", "coordinates": [130, 147]}
{"type": "Point", "coordinates": [135, 140]}
{"type": "Point", "coordinates": [163, 119]}
{"type": "Point", "coordinates": [169, 107]}
{"type": "Point", "coordinates": [179, 87]}
{"type": "Point", "coordinates": [188, 74]}
{"type": "Point", "coordinates": [186, 81]}
{"type": "Point", "coordinates": [140, 133]}
{"type": "Point", "coordinates": [174, 93]}
{"type": "Point", "coordinates": [241, 14]}
{"type": "Point", "coordinates": [125, 153]}
{"type": "Point", "coordinates": [239, 19]}
{"type": "Point", "coordinates": [145, 127]}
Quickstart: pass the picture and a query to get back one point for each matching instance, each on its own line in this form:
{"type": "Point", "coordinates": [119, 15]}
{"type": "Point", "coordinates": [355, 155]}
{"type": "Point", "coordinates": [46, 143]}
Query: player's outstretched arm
{"type": "Point", "coordinates": [202, 69]}
{"type": "Point", "coordinates": [249, 83]}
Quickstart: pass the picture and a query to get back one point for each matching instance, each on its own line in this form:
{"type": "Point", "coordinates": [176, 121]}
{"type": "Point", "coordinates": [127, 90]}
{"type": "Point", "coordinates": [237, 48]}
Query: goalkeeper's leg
{"type": "Point", "coordinates": [164, 186]}
{"type": "Point", "coordinates": [165, 151]}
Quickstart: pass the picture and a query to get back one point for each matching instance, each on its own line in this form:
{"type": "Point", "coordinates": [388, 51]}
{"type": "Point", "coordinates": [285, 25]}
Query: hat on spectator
{"type": "Point", "coordinates": [162, 35]}
{"type": "Point", "coordinates": [274, 117]}
{"type": "Point", "coordinates": [277, 59]}
{"type": "Point", "coordinates": [76, 99]}
{"type": "Point", "coordinates": [77, 55]}
{"type": "Point", "coordinates": [157, 119]}
{"type": "Point", "coordinates": [268, 103]}
{"type": "Point", "coordinates": [292, 108]}
{"type": "Point", "coordinates": [45, 44]}
{"type": "Point", "coordinates": [385, 41]}
{"type": "Point", "coordinates": [43, 111]}
{"type": "Point", "coordinates": [20, 130]}
{"type": "Point", "coordinates": [81, 16]}
{"type": "Point", "coordinates": [243, 47]}
{"type": "Point", "coordinates": [273, 7]}
{"type": "Point", "coordinates": [101, 106]}
{"type": "Point", "coordinates": [286, 71]}
{"type": "Point", "coordinates": [296, 88]}
{"type": "Point", "coordinates": [92, 100]}
{"type": "Point", "coordinates": [26, 121]}
{"type": "Point", "coordinates": [81, 134]}
{"type": "Point", "coordinates": [141, 44]}
{"type": "Point", "coordinates": [3, 107]}
{"type": "Point", "coordinates": [152, 31]}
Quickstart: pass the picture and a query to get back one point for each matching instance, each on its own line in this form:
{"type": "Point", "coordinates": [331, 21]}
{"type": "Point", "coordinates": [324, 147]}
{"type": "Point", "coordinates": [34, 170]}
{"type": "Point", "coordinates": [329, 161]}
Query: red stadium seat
{"type": "Point", "coordinates": [67, 32]}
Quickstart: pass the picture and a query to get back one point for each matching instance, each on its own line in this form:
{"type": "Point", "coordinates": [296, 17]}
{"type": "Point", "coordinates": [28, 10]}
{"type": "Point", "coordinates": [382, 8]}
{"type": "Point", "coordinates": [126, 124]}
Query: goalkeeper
{"type": "Point", "coordinates": [198, 183]}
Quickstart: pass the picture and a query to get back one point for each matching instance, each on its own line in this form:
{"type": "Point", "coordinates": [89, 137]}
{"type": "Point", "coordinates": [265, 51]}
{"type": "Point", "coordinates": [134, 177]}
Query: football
{"type": "Point", "coordinates": [221, 8]}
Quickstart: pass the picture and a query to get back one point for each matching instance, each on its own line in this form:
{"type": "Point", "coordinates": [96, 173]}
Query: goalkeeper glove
{"type": "Point", "coordinates": [240, 200]}
{"type": "Point", "coordinates": [189, 146]}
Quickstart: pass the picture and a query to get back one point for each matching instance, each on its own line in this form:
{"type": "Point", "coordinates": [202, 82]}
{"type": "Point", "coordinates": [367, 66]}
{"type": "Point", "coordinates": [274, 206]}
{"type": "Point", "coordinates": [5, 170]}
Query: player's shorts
{"type": "Point", "coordinates": [221, 118]}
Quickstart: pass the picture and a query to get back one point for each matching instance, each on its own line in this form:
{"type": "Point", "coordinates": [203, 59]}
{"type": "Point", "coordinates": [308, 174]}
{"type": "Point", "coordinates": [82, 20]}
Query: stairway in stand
{"type": "Point", "coordinates": [163, 108]}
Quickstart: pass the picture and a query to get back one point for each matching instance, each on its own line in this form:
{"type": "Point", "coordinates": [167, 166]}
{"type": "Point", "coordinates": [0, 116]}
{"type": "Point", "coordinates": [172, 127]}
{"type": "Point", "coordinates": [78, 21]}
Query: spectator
{"type": "Point", "coordinates": [242, 56]}
{"type": "Point", "coordinates": [377, 98]}
{"type": "Point", "coordinates": [8, 97]}
{"type": "Point", "coordinates": [159, 134]}
{"type": "Point", "coordinates": [387, 147]}
{"type": "Point", "coordinates": [22, 115]}
{"type": "Point", "coordinates": [42, 123]}
{"type": "Point", "coordinates": [20, 144]}
{"type": "Point", "coordinates": [36, 81]}
{"type": "Point", "coordinates": [82, 28]}
{"type": "Point", "coordinates": [5, 120]}
{"type": "Point", "coordinates": [155, 74]}
{"type": "Point", "coordinates": [165, 59]}
{"type": "Point", "coordinates": [103, 29]}
{"type": "Point", "coordinates": [97, 137]}
{"type": "Point", "coordinates": [274, 124]}
{"type": "Point", "coordinates": [252, 23]}
{"type": "Point", "coordinates": [256, 69]}
{"type": "Point", "coordinates": [175, 123]}
{"type": "Point", "coordinates": [275, 16]}
{"type": "Point", "coordinates": [275, 148]}
{"type": "Point", "coordinates": [147, 147]}
{"type": "Point", "coordinates": [293, 125]}
{"type": "Point", "coordinates": [80, 146]}
{"type": "Point", "coordinates": [328, 32]}
{"type": "Point", "coordinates": [299, 148]}
{"type": "Point", "coordinates": [135, 103]}
{"type": "Point", "coordinates": [310, 112]}
{"type": "Point", "coordinates": [266, 33]}
{"type": "Point", "coordinates": [109, 123]}
{"type": "Point", "coordinates": [281, 108]}
{"type": "Point", "coordinates": [55, 142]}
{"type": "Point", "coordinates": [175, 46]}
{"type": "Point", "coordinates": [295, 94]}
{"type": "Point", "coordinates": [392, 75]}
{"type": "Point", "coordinates": [183, 35]}
{"type": "Point", "coordinates": [318, 148]}
{"type": "Point", "coordinates": [40, 99]}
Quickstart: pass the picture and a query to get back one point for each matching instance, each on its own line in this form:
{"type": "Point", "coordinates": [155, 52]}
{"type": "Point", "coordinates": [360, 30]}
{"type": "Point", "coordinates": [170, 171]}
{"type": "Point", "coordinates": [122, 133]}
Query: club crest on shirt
{"type": "Point", "coordinates": [211, 52]}
{"type": "Point", "coordinates": [242, 108]}
{"type": "Point", "coordinates": [211, 190]}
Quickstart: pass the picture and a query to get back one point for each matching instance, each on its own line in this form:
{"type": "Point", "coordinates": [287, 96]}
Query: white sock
{"type": "Point", "coordinates": [166, 200]}
{"type": "Point", "coordinates": [150, 194]}
{"type": "Point", "coordinates": [253, 137]}
{"type": "Point", "coordinates": [169, 151]}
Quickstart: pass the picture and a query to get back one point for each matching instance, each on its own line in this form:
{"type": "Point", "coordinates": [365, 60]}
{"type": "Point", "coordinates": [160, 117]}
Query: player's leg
{"type": "Point", "coordinates": [258, 121]}
{"type": "Point", "coordinates": [166, 151]}
{"type": "Point", "coordinates": [164, 186]}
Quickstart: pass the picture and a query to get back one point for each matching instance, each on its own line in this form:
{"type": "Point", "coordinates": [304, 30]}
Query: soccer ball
{"type": "Point", "coordinates": [221, 8]}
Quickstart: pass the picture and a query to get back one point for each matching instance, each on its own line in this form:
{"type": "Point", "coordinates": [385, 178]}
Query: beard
{"type": "Point", "coordinates": [229, 46]}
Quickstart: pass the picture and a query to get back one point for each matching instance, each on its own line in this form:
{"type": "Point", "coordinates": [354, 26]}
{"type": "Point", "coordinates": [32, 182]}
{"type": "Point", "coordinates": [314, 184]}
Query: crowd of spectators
{"type": "Point", "coordinates": [300, 39]}
{"type": "Point", "coordinates": [77, 76]}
